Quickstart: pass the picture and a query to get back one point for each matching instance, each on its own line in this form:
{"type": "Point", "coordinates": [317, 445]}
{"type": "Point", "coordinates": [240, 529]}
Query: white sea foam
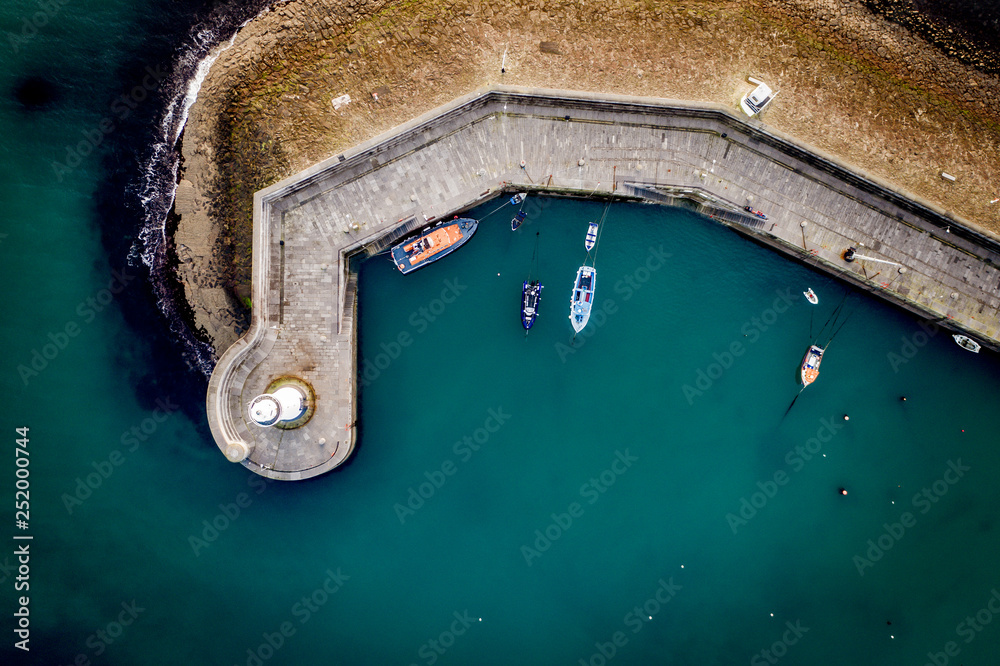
{"type": "Point", "coordinates": [194, 86]}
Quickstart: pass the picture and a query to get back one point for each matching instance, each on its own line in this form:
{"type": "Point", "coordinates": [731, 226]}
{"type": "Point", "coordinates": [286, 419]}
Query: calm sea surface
{"type": "Point", "coordinates": [637, 495]}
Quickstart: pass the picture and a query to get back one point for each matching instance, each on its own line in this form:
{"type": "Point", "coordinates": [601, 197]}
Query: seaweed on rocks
{"type": "Point", "coordinates": [968, 30]}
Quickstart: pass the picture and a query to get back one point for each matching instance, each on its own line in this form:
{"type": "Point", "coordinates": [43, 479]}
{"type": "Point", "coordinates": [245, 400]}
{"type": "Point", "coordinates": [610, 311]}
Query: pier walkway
{"type": "Point", "coordinates": [307, 227]}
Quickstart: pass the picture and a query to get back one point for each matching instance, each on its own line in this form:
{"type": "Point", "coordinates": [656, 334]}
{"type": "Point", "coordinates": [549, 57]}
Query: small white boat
{"type": "Point", "coordinates": [518, 198]}
{"type": "Point", "coordinates": [591, 236]}
{"type": "Point", "coordinates": [967, 343]}
{"type": "Point", "coordinates": [811, 296]}
{"type": "Point", "coordinates": [583, 297]}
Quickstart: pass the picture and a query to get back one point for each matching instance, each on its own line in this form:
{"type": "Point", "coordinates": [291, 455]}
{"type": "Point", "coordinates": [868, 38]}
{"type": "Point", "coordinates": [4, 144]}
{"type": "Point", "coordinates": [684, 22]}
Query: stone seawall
{"type": "Point", "coordinates": [307, 227]}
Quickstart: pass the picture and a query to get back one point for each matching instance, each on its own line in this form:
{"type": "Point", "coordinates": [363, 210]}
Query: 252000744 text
{"type": "Point", "coordinates": [22, 516]}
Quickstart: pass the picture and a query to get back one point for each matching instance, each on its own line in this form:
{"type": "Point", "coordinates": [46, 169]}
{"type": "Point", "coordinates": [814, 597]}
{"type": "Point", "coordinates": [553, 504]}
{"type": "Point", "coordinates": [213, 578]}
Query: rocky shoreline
{"type": "Point", "coordinates": [862, 89]}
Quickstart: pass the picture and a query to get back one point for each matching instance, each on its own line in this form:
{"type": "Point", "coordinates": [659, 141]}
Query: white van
{"type": "Point", "coordinates": [755, 102]}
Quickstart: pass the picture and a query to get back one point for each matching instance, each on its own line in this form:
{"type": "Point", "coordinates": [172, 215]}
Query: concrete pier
{"type": "Point", "coordinates": [710, 159]}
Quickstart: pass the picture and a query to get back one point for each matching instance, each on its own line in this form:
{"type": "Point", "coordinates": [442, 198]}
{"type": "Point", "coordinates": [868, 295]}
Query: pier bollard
{"type": "Point", "coordinates": [237, 451]}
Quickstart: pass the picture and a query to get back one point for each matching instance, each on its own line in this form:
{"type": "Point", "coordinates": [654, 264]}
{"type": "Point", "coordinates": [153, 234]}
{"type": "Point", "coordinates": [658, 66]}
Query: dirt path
{"type": "Point", "coordinates": [852, 85]}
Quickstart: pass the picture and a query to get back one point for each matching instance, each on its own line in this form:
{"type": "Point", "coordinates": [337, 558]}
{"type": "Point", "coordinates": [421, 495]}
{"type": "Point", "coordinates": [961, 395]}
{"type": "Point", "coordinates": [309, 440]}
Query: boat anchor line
{"type": "Point", "coordinates": [809, 367]}
{"type": "Point", "coordinates": [584, 287]}
{"type": "Point", "coordinates": [520, 196]}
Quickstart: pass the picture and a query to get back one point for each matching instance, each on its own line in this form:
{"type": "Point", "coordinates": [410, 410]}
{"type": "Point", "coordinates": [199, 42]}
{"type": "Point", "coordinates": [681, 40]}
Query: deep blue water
{"type": "Point", "coordinates": [546, 486]}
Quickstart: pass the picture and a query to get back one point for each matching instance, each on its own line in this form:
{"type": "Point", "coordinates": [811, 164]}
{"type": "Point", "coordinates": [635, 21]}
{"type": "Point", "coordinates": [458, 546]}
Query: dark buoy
{"type": "Point", "coordinates": [849, 255]}
{"type": "Point", "coordinates": [888, 622]}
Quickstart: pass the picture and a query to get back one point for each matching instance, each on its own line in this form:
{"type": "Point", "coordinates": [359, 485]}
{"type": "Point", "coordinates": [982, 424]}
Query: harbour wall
{"type": "Point", "coordinates": [308, 227]}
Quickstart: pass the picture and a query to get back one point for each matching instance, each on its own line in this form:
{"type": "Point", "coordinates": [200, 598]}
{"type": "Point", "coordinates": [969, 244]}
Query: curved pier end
{"type": "Point", "coordinates": [701, 157]}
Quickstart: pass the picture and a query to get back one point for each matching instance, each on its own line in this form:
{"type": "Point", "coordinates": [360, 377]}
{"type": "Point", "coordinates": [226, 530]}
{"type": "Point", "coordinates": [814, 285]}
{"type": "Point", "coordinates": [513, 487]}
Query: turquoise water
{"type": "Point", "coordinates": [698, 452]}
{"type": "Point", "coordinates": [546, 486]}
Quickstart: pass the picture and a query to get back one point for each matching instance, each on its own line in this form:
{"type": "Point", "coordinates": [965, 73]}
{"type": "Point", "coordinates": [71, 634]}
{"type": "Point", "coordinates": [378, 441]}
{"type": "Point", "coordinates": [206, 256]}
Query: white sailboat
{"type": "Point", "coordinates": [582, 300]}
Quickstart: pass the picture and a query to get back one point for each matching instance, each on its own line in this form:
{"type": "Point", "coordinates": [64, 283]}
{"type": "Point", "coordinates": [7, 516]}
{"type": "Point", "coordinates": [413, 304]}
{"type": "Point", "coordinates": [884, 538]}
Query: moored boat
{"type": "Point", "coordinates": [518, 198]}
{"type": "Point", "coordinates": [433, 244]}
{"type": "Point", "coordinates": [517, 220]}
{"type": "Point", "coordinates": [531, 296]}
{"type": "Point", "coordinates": [811, 296]}
{"type": "Point", "coordinates": [810, 364]}
{"type": "Point", "coordinates": [582, 299]}
{"type": "Point", "coordinates": [967, 343]}
{"type": "Point", "coordinates": [591, 236]}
